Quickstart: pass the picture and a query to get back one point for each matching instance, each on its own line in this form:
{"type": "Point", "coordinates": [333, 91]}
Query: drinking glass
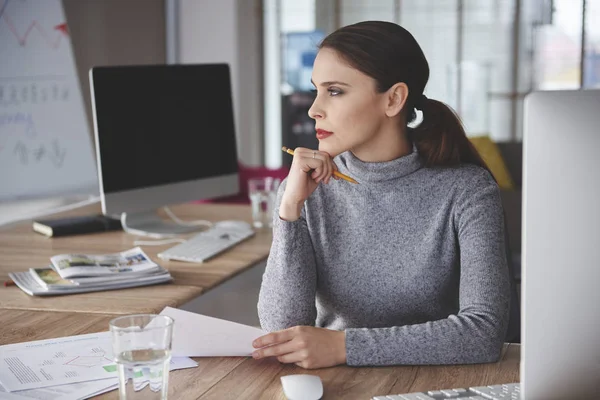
{"type": "Point", "coordinates": [263, 194]}
{"type": "Point", "coordinates": [142, 350]}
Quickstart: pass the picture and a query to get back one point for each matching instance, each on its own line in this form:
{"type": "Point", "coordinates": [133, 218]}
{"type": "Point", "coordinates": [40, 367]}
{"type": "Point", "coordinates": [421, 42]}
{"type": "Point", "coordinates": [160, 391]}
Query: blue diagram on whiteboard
{"type": "Point", "coordinates": [45, 144]}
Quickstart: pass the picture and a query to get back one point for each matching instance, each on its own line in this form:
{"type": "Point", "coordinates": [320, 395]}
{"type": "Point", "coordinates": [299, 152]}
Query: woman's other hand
{"type": "Point", "coordinates": [306, 346]}
{"type": "Point", "coordinates": [309, 168]}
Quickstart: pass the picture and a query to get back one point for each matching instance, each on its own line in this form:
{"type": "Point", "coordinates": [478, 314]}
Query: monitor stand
{"type": "Point", "coordinates": [148, 223]}
{"type": "Point", "coordinates": [14, 211]}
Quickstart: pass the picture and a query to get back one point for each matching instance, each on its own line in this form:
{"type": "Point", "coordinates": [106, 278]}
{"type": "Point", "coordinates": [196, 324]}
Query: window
{"type": "Point", "coordinates": [591, 76]}
{"type": "Point", "coordinates": [484, 56]}
{"type": "Point", "coordinates": [558, 48]}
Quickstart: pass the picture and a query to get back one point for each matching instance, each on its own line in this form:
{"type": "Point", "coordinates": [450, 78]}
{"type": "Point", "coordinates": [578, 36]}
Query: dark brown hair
{"type": "Point", "coordinates": [390, 54]}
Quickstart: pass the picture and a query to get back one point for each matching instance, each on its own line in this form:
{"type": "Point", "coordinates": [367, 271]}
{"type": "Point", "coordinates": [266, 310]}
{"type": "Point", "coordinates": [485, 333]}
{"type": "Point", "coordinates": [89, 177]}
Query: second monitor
{"type": "Point", "coordinates": [165, 134]}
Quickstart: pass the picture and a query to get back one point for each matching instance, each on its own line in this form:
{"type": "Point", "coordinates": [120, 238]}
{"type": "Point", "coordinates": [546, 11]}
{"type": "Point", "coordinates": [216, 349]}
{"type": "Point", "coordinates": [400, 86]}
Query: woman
{"type": "Point", "coordinates": [406, 267]}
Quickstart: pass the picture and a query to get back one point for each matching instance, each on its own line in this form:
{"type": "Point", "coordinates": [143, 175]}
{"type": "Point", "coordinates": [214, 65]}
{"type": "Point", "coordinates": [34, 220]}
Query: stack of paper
{"type": "Point", "coordinates": [75, 367]}
{"type": "Point", "coordinates": [77, 273]}
{"type": "Point", "coordinates": [80, 367]}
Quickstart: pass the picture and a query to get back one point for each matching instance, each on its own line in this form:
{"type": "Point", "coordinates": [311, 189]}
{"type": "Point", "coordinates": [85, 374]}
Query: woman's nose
{"type": "Point", "coordinates": [315, 112]}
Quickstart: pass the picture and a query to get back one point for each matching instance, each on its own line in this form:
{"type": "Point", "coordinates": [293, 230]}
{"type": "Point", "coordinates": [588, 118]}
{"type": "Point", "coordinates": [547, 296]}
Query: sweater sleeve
{"type": "Point", "coordinates": [288, 289]}
{"type": "Point", "coordinates": [476, 333]}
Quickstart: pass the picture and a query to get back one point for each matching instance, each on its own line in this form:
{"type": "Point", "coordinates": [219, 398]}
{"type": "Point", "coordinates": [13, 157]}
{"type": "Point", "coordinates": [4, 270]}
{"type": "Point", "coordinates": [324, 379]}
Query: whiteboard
{"type": "Point", "coordinates": [45, 144]}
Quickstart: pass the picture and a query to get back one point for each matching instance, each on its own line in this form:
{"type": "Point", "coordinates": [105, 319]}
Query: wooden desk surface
{"type": "Point", "coordinates": [148, 299]}
{"type": "Point", "coordinates": [246, 378]}
{"type": "Point", "coordinates": [21, 249]}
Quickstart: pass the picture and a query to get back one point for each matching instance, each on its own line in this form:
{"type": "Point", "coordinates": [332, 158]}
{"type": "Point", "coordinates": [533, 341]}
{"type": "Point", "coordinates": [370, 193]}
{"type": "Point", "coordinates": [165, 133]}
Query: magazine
{"type": "Point", "coordinates": [50, 279]}
{"type": "Point", "coordinates": [129, 262]}
{"type": "Point", "coordinates": [78, 273]}
{"type": "Point", "coordinates": [30, 285]}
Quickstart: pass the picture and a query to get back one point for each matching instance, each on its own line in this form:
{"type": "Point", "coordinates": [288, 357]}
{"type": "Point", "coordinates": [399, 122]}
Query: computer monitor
{"type": "Point", "coordinates": [164, 135]}
{"type": "Point", "coordinates": [560, 357]}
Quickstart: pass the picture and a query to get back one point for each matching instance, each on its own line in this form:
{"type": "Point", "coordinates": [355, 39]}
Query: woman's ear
{"type": "Point", "coordinates": [396, 98]}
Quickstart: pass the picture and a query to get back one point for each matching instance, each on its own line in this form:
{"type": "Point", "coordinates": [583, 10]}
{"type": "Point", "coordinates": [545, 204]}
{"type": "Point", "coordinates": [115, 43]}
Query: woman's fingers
{"type": "Point", "coordinates": [329, 163]}
{"type": "Point", "coordinates": [307, 160]}
{"type": "Point", "coordinates": [295, 357]}
{"type": "Point", "coordinates": [320, 163]}
{"type": "Point", "coordinates": [274, 338]}
{"type": "Point", "coordinates": [335, 168]}
{"type": "Point", "coordinates": [277, 350]}
{"type": "Point", "coordinates": [325, 170]}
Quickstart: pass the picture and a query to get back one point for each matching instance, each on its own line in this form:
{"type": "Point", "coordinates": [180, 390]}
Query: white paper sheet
{"type": "Point", "coordinates": [196, 335]}
{"type": "Point", "coordinates": [63, 392]}
{"type": "Point", "coordinates": [62, 361]}
{"type": "Point", "coordinates": [84, 390]}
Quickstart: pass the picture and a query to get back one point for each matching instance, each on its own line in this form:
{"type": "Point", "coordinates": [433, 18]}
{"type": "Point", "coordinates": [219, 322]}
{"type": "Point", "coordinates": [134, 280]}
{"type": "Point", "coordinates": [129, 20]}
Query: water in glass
{"type": "Point", "coordinates": [144, 374]}
{"type": "Point", "coordinates": [142, 351]}
{"type": "Point", "coordinates": [262, 207]}
{"type": "Point", "coordinates": [263, 194]}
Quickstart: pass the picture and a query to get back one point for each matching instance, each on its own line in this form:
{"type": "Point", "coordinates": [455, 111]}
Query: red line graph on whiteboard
{"type": "Point", "coordinates": [53, 42]}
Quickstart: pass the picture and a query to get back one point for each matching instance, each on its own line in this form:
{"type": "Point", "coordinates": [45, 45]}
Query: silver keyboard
{"type": "Point", "coordinates": [509, 391]}
{"type": "Point", "coordinates": [207, 244]}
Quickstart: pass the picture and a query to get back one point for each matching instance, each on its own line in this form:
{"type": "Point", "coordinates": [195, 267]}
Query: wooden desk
{"type": "Point", "coordinates": [218, 377]}
{"type": "Point", "coordinates": [21, 249]}
{"type": "Point", "coordinates": [149, 299]}
{"type": "Point", "coordinates": [246, 378]}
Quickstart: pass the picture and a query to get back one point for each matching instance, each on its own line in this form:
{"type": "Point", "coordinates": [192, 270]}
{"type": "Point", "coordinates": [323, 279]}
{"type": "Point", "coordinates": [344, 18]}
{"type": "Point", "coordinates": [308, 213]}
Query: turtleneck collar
{"type": "Point", "coordinates": [379, 171]}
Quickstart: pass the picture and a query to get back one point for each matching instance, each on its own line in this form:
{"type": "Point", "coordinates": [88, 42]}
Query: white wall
{"type": "Point", "coordinates": [353, 11]}
{"type": "Point", "coordinates": [114, 32]}
{"type": "Point", "coordinates": [229, 31]}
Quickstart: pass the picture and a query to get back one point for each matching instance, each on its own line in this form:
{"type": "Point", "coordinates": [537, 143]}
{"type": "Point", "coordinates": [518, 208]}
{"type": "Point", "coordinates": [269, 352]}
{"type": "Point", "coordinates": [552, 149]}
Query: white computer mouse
{"type": "Point", "coordinates": [302, 387]}
{"type": "Point", "coordinates": [233, 224]}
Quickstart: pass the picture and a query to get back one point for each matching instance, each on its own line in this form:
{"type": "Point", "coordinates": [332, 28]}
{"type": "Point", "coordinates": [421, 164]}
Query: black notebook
{"type": "Point", "coordinates": [76, 225]}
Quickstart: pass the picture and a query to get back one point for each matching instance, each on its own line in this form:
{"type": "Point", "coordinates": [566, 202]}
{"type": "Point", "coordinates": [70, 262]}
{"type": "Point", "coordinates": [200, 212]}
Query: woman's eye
{"type": "Point", "coordinates": [332, 91]}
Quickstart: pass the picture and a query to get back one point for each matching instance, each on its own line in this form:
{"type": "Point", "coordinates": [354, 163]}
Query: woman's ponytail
{"type": "Point", "coordinates": [440, 137]}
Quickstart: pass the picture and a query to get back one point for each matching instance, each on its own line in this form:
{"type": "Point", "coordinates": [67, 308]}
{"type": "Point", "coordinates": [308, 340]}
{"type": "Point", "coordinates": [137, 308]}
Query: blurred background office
{"type": "Point", "coordinates": [485, 56]}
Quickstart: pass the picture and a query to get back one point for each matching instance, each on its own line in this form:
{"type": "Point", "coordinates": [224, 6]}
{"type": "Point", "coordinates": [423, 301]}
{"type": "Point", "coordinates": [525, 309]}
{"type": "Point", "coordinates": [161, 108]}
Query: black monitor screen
{"type": "Point", "coordinates": [163, 124]}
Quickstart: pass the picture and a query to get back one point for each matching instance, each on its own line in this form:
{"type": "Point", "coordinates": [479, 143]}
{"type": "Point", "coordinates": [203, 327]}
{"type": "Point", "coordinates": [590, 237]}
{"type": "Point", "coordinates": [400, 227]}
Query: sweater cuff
{"type": "Point", "coordinates": [286, 227]}
{"type": "Point", "coordinates": [354, 344]}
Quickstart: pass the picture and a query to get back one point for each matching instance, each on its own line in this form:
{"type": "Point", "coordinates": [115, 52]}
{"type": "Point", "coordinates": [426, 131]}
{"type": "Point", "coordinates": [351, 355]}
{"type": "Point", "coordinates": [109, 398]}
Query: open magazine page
{"type": "Point", "coordinates": [127, 262]}
{"type": "Point", "coordinates": [49, 278]}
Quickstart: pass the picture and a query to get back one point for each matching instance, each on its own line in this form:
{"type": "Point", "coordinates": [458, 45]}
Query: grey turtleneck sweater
{"type": "Point", "coordinates": [410, 263]}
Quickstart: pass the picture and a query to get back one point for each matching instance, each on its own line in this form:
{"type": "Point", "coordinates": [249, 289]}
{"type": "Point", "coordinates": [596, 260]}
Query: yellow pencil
{"type": "Point", "coordinates": [336, 173]}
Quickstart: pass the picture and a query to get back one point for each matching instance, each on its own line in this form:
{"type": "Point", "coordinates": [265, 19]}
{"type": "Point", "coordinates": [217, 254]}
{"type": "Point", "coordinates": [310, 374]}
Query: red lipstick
{"type": "Point", "coordinates": [322, 134]}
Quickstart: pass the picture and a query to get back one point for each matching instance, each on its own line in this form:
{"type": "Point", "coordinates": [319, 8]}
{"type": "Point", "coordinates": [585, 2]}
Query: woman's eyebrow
{"type": "Point", "coordinates": [328, 83]}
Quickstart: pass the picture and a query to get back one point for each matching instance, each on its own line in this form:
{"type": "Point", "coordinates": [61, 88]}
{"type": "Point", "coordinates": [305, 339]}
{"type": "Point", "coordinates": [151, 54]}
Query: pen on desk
{"type": "Point", "coordinates": [9, 283]}
{"type": "Point", "coordinates": [336, 173]}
